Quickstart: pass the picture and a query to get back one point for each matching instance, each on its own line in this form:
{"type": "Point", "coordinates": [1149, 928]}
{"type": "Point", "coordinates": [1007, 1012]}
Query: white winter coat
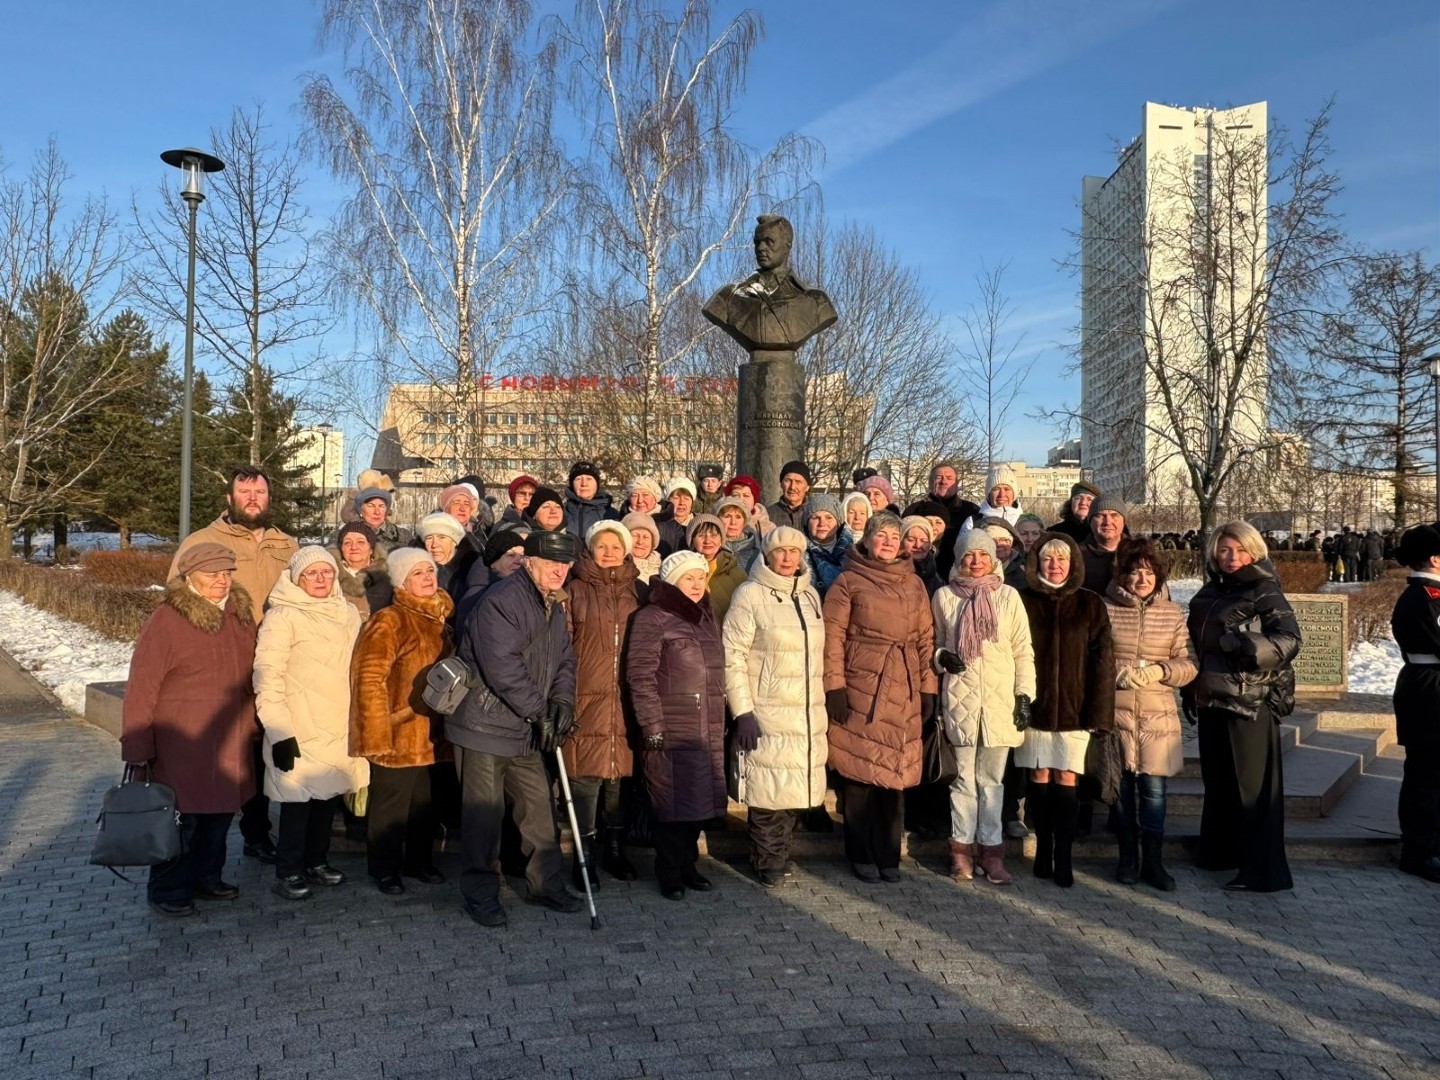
{"type": "Point", "coordinates": [774, 640]}
{"type": "Point", "coordinates": [980, 701]}
{"type": "Point", "coordinates": [1009, 513]}
{"type": "Point", "coordinates": [302, 691]}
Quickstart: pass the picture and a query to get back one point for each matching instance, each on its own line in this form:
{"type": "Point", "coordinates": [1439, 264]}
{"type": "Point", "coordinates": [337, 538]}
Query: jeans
{"type": "Point", "coordinates": [1151, 792]}
{"type": "Point", "coordinates": [201, 859]}
{"type": "Point", "coordinates": [977, 794]}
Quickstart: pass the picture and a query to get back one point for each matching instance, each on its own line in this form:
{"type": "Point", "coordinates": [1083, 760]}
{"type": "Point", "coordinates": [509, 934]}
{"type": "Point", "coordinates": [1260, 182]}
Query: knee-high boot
{"type": "Point", "coordinates": [1065, 808]}
{"type": "Point", "coordinates": [614, 860]}
{"type": "Point", "coordinates": [1152, 869]}
{"type": "Point", "coordinates": [1037, 804]}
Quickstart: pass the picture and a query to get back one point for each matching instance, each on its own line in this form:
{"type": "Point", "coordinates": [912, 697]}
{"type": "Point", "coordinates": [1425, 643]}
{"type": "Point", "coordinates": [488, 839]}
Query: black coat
{"type": "Point", "coordinates": [672, 533]}
{"type": "Point", "coordinates": [957, 510]}
{"type": "Point", "coordinates": [675, 670]}
{"type": "Point", "coordinates": [1073, 527]}
{"type": "Point", "coordinates": [580, 513]}
{"type": "Point", "coordinates": [1416, 626]}
{"type": "Point", "coordinates": [522, 656]}
{"type": "Point", "coordinates": [1074, 649]}
{"type": "Point", "coordinates": [1099, 566]}
{"type": "Point", "coordinates": [1245, 635]}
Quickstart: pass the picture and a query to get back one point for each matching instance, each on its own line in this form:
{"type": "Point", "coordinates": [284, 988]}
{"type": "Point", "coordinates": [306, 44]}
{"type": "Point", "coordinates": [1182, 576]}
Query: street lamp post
{"type": "Point", "coordinates": [325, 430]}
{"type": "Point", "coordinates": [1432, 364]}
{"type": "Point", "coordinates": [193, 165]}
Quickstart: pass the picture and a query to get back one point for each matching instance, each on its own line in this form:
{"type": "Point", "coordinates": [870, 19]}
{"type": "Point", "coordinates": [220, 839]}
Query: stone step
{"type": "Point", "coordinates": [1365, 742]}
{"type": "Point", "coordinates": [1315, 779]}
{"type": "Point", "coordinates": [1355, 711]}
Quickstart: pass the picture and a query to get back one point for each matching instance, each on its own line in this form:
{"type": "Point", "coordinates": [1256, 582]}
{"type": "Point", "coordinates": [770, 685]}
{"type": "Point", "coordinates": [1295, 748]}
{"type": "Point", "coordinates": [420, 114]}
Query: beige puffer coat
{"type": "Point", "coordinates": [774, 641]}
{"type": "Point", "coordinates": [980, 701]}
{"type": "Point", "coordinates": [302, 691]}
{"type": "Point", "coordinates": [1147, 720]}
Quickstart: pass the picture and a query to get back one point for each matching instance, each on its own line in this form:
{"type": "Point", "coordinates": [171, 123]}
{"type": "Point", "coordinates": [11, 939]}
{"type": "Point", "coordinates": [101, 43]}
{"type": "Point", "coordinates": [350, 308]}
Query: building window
{"type": "Point", "coordinates": [532, 440]}
{"type": "Point", "coordinates": [528, 419]}
{"type": "Point", "coordinates": [511, 440]}
{"type": "Point", "coordinates": [491, 418]}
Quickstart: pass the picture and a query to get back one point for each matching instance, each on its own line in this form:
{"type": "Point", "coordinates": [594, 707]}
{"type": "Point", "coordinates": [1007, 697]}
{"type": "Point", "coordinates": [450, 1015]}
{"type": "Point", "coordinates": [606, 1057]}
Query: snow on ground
{"type": "Point", "coordinates": [1183, 589]}
{"type": "Point", "coordinates": [42, 545]}
{"type": "Point", "coordinates": [1374, 666]}
{"type": "Point", "coordinates": [62, 654]}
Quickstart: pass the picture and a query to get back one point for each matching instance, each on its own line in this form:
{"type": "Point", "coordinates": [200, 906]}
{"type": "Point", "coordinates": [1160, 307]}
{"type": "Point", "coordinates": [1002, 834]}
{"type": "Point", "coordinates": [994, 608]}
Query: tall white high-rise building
{"type": "Point", "coordinates": [1173, 246]}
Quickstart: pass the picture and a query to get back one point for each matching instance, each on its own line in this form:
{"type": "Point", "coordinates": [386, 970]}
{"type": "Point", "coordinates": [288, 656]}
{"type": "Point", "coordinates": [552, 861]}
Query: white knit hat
{"type": "Point", "coordinates": [644, 483]}
{"type": "Point", "coordinates": [915, 521]}
{"type": "Point", "coordinates": [402, 560]}
{"type": "Point", "coordinates": [618, 528]}
{"type": "Point", "coordinates": [681, 563]}
{"type": "Point", "coordinates": [676, 483]}
{"type": "Point", "coordinates": [784, 536]}
{"type": "Point", "coordinates": [442, 524]}
{"type": "Point", "coordinates": [1000, 474]}
{"type": "Point", "coordinates": [308, 556]}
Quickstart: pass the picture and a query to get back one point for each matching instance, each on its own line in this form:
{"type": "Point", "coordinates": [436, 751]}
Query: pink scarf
{"type": "Point", "coordinates": [979, 621]}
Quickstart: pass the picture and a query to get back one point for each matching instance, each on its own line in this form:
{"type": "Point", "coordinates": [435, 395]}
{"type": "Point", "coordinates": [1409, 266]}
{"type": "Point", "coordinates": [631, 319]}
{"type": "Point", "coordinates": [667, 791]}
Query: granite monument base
{"type": "Point", "coordinates": [770, 418]}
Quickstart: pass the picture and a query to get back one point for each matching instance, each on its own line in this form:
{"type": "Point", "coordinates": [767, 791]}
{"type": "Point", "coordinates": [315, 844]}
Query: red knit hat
{"type": "Point", "coordinates": [744, 481]}
{"type": "Point", "coordinates": [519, 482]}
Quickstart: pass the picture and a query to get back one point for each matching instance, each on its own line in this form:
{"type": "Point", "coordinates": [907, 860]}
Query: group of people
{"type": "Point", "coordinates": [693, 645]}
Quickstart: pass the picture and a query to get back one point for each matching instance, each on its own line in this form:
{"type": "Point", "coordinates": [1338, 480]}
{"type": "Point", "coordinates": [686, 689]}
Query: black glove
{"type": "Point", "coordinates": [747, 732]}
{"type": "Point", "coordinates": [284, 753]}
{"type": "Point", "coordinates": [1022, 711]}
{"type": "Point", "coordinates": [655, 741]}
{"type": "Point", "coordinates": [927, 708]}
{"type": "Point", "coordinates": [949, 661]}
{"type": "Point", "coordinates": [1190, 709]}
{"type": "Point", "coordinates": [836, 708]}
{"type": "Point", "coordinates": [546, 740]}
{"type": "Point", "coordinates": [562, 715]}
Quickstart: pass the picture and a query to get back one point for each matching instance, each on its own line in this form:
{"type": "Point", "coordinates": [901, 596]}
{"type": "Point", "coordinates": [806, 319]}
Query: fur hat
{"type": "Point", "coordinates": [824, 504]}
{"type": "Point", "coordinates": [542, 496]}
{"type": "Point", "coordinates": [401, 562]}
{"type": "Point", "coordinates": [915, 521]}
{"type": "Point", "coordinates": [877, 483]}
{"type": "Point", "coordinates": [551, 546]}
{"type": "Point", "coordinates": [519, 482]}
{"type": "Point", "coordinates": [799, 468]}
{"type": "Point", "coordinates": [617, 527]}
{"type": "Point", "coordinates": [583, 468]}
{"type": "Point", "coordinates": [697, 522]}
{"type": "Point", "coordinates": [862, 473]}
{"type": "Point", "coordinates": [374, 478]}
{"type": "Point", "coordinates": [1112, 504]}
{"type": "Point", "coordinates": [502, 540]}
{"type": "Point", "coordinates": [208, 558]}
{"type": "Point", "coordinates": [635, 521]}
{"type": "Point", "coordinates": [679, 483]}
{"type": "Point", "coordinates": [440, 524]}
{"type": "Point", "coordinates": [784, 536]}
{"type": "Point", "coordinates": [681, 563]}
{"type": "Point", "coordinates": [708, 472]}
{"type": "Point", "coordinates": [364, 495]}
{"type": "Point", "coordinates": [307, 556]}
{"type": "Point", "coordinates": [740, 481]}
{"type": "Point", "coordinates": [454, 491]}
{"type": "Point", "coordinates": [1418, 546]}
{"type": "Point", "coordinates": [644, 483]}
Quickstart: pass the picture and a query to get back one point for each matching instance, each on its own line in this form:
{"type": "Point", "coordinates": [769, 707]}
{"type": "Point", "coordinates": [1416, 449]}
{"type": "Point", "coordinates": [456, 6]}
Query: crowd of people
{"type": "Point", "coordinates": [952, 665]}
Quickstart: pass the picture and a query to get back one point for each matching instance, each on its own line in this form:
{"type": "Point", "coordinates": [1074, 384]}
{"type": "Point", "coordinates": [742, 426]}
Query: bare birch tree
{"type": "Point", "coordinates": [258, 293]}
{"type": "Point", "coordinates": [668, 186]}
{"type": "Point", "coordinates": [988, 359]}
{"type": "Point", "coordinates": [443, 131]}
{"type": "Point", "coordinates": [59, 265]}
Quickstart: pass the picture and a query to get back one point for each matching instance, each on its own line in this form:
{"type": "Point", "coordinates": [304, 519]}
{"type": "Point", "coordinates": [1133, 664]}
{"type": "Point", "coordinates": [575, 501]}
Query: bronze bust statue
{"type": "Point", "coordinates": [771, 310]}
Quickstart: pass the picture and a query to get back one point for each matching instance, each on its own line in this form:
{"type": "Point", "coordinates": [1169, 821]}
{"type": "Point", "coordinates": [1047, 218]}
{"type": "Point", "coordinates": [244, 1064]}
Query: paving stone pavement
{"type": "Point", "coordinates": [824, 977]}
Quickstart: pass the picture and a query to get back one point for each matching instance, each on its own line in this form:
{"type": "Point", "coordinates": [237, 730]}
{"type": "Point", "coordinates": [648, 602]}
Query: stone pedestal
{"type": "Point", "coordinates": [770, 418]}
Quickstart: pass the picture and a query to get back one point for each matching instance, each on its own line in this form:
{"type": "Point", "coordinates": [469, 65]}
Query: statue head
{"type": "Point", "coordinates": [774, 236]}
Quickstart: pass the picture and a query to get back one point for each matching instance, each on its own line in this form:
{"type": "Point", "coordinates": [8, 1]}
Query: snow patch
{"type": "Point", "coordinates": [1374, 666]}
{"type": "Point", "coordinates": [63, 655]}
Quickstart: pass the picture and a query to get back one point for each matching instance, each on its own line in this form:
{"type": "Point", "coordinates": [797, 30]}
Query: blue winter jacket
{"type": "Point", "coordinates": [826, 561]}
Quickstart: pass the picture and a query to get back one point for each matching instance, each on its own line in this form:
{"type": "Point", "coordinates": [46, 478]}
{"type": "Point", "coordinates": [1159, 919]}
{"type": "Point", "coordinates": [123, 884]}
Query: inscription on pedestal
{"type": "Point", "coordinates": [1320, 669]}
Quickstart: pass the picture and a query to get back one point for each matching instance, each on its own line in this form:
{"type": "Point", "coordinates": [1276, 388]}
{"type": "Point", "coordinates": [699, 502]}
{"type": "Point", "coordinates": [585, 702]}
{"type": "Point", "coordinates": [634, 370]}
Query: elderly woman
{"type": "Point", "coordinates": [546, 511]}
{"type": "Point", "coordinates": [1153, 658]}
{"type": "Point", "coordinates": [642, 495]}
{"type": "Point", "coordinates": [879, 690]}
{"type": "Point", "coordinates": [855, 508]}
{"type": "Point", "coordinates": [1245, 635]}
{"type": "Point", "coordinates": [644, 545]}
{"type": "Point", "coordinates": [1074, 696]}
{"type": "Point", "coordinates": [372, 507]}
{"type": "Point", "coordinates": [390, 724]}
{"type": "Point", "coordinates": [919, 543]}
{"type": "Point", "coordinates": [747, 490]}
{"type": "Point", "coordinates": [1000, 498]}
{"type": "Point", "coordinates": [302, 694]}
{"type": "Point", "coordinates": [987, 683]}
{"type": "Point", "coordinates": [604, 596]}
{"type": "Point", "coordinates": [1028, 528]}
{"type": "Point", "coordinates": [361, 569]}
{"type": "Point", "coordinates": [774, 682]}
{"type": "Point", "coordinates": [675, 669]}
{"type": "Point", "coordinates": [450, 547]}
{"type": "Point", "coordinates": [521, 490]}
{"type": "Point", "coordinates": [881, 495]}
{"type": "Point", "coordinates": [706, 535]}
{"type": "Point", "coordinates": [189, 713]}
{"type": "Point", "coordinates": [740, 538]}
{"type": "Point", "coordinates": [829, 544]}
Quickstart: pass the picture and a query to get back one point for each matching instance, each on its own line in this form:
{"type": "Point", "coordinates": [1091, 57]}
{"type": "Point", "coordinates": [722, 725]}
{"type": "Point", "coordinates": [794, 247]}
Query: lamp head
{"type": "Point", "coordinates": [193, 165]}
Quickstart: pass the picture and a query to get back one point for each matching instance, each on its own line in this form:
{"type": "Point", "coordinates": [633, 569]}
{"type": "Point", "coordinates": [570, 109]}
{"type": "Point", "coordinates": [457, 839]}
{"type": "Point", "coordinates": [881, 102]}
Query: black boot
{"type": "Point", "coordinates": [1065, 808]}
{"type": "Point", "coordinates": [1152, 870]}
{"type": "Point", "coordinates": [1037, 805]}
{"type": "Point", "coordinates": [588, 843]}
{"type": "Point", "coordinates": [614, 860]}
{"type": "Point", "coordinates": [1127, 871]}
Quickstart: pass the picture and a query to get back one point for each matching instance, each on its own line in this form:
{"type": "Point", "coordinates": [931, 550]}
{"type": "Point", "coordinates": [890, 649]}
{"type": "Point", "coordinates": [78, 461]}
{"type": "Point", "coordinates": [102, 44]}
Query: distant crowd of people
{"type": "Point", "coordinates": [938, 666]}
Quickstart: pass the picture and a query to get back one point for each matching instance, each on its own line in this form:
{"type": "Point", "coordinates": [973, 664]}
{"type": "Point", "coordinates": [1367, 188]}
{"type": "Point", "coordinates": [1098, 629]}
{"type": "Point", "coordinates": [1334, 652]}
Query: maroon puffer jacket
{"type": "Point", "coordinates": [675, 668]}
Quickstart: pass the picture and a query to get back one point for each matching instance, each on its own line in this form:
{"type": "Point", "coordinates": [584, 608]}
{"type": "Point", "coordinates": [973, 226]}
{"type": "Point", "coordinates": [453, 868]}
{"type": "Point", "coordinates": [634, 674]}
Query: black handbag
{"type": "Point", "coordinates": [1105, 765]}
{"type": "Point", "coordinates": [937, 759]}
{"type": "Point", "coordinates": [138, 824]}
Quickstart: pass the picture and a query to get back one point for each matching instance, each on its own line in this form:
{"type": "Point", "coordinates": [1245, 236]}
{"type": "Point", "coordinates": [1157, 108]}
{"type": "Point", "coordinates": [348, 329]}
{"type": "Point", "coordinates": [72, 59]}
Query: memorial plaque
{"type": "Point", "coordinates": [1320, 669]}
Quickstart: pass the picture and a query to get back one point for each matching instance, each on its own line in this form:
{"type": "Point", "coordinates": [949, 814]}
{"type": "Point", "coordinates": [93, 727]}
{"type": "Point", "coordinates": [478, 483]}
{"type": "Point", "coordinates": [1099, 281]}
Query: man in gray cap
{"type": "Point", "coordinates": [1107, 528]}
{"type": "Point", "coordinates": [521, 704]}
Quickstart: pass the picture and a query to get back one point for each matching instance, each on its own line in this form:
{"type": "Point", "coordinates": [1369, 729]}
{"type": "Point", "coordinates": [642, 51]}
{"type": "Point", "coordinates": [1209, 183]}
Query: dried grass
{"type": "Point", "coordinates": [1371, 606]}
{"type": "Point", "coordinates": [117, 611]}
{"type": "Point", "coordinates": [135, 568]}
{"type": "Point", "coordinates": [1299, 571]}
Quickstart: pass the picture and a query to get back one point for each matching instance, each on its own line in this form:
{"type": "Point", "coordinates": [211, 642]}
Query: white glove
{"type": "Point", "coordinates": [1146, 676]}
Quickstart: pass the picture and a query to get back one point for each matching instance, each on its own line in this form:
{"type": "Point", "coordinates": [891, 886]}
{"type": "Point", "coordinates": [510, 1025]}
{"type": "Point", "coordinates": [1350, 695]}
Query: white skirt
{"type": "Point", "coordinates": [1053, 750]}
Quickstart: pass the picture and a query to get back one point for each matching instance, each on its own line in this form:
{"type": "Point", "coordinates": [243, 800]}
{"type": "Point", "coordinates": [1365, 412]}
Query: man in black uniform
{"type": "Point", "coordinates": [1416, 627]}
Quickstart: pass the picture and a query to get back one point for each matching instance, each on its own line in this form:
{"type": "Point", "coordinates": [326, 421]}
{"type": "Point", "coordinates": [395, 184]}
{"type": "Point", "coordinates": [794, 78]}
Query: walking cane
{"type": "Point", "coordinates": [579, 840]}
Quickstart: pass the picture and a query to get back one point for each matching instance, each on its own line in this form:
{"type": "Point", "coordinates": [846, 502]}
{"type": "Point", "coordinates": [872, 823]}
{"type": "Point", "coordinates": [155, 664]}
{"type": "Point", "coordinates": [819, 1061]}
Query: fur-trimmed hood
{"type": "Point", "coordinates": [201, 613]}
{"type": "Point", "coordinates": [1073, 583]}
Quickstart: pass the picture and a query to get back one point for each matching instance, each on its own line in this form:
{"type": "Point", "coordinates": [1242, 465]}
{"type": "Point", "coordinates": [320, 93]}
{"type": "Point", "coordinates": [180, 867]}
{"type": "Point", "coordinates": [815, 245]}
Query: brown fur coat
{"type": "Point", "coordinates": [390, 724]}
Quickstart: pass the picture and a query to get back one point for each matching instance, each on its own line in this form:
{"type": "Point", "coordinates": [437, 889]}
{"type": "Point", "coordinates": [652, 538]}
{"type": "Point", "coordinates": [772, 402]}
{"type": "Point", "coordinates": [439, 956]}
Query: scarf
{"type": "Point", "coordinates": [979, 621]}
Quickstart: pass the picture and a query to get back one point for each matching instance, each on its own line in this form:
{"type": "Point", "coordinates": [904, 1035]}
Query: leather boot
{"type": "Point", "coordinates": [613, 859]}
{"type": "Point", "coordinates": [1152, 869]}
{"type": "Point", "coordinates": [575, 879]}
{"type": "Point", "coordinates": [1127, 872]}
{"type": "Point", "coordinates": [1065, 808]}
{"type": "Point", "coordinates": [962, 861]}
{"type": "Point", "coordinates": [992, 863]}
{"type": "Point", "coordinates": [1037, 804]}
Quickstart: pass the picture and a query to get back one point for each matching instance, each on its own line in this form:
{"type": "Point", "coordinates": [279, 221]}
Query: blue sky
{"type": "Point", "coordinates": [959, 130]}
